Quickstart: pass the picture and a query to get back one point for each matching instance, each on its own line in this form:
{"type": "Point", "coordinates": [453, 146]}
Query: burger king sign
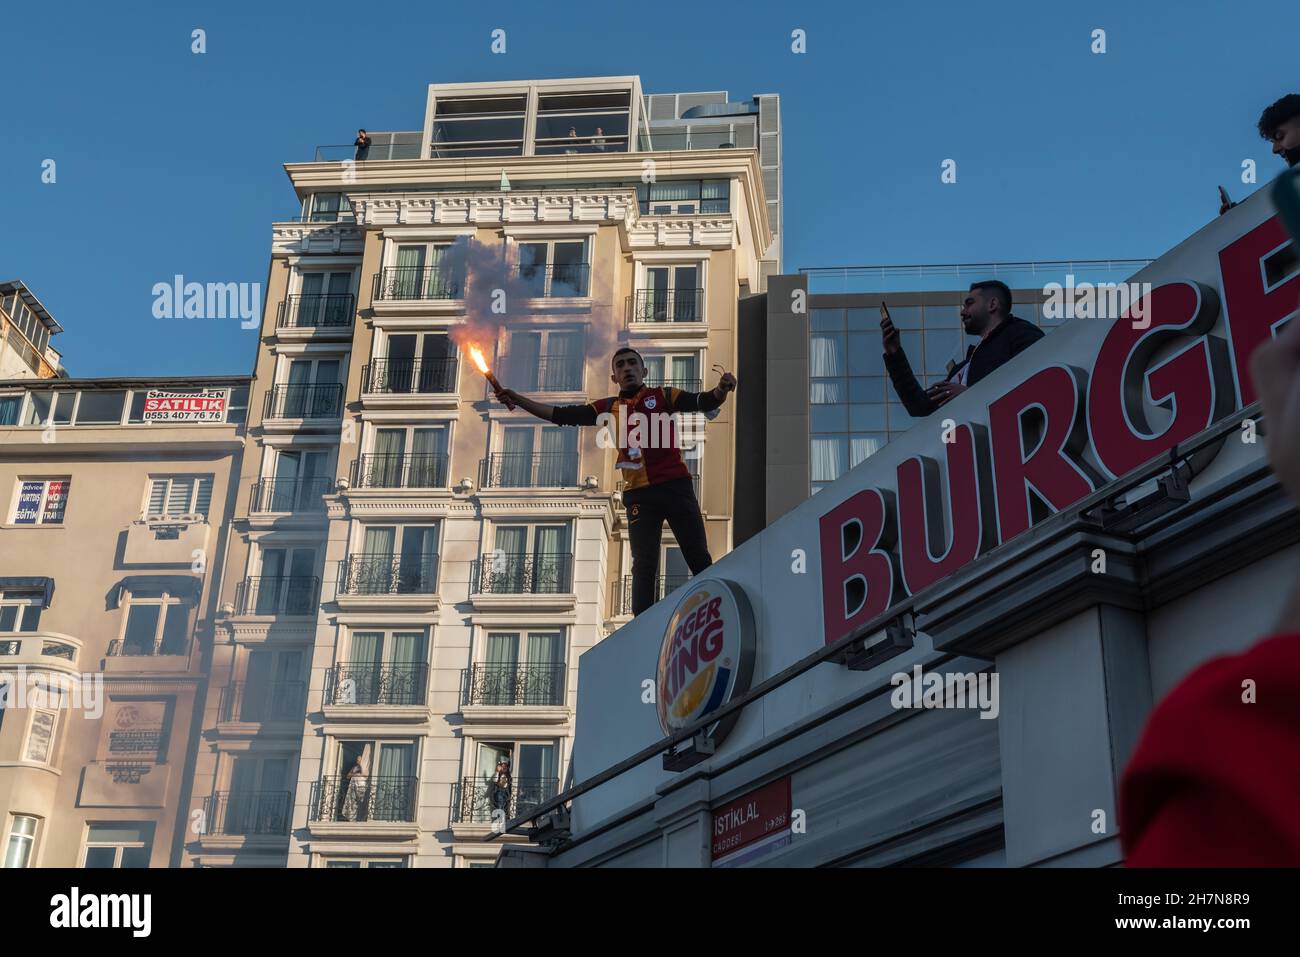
{"type": "Point", "coordinates": [707, 657]}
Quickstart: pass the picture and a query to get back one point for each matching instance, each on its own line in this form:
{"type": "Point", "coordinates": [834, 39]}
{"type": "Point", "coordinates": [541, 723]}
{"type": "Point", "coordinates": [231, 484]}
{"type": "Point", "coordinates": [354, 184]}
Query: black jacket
{"type": "Point", "coordinates": [1010, 338]}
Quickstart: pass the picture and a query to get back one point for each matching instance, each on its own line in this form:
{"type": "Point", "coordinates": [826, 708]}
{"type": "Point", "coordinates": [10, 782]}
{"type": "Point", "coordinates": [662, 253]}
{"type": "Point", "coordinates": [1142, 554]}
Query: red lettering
{"type": "Point", "coordinates": [1037, 432]}
{"type": "Point", "coordinates": [921, 510]}
{"type": "Point", "coordinates": [1253, 311]}
{"type": "Point", "coordinates": [1191, 385]}
{"type": "Point", "coordinates": [858, 569]}
{"type": "Point", "coordinates": [711, 641]}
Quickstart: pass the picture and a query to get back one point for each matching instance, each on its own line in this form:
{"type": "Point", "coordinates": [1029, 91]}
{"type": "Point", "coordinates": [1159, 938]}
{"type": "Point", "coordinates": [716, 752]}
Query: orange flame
{"type": "Point", "coordinates": [476, 354]}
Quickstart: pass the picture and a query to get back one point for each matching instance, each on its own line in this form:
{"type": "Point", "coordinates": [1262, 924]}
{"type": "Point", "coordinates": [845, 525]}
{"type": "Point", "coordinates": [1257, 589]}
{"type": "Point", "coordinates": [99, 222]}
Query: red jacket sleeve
{"type": "Point", "coordinates": [1215, 780]}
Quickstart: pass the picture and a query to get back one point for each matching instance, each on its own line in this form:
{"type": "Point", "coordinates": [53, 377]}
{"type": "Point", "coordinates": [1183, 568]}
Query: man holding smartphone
{"type": "Point", "coordinates": [985, 312]}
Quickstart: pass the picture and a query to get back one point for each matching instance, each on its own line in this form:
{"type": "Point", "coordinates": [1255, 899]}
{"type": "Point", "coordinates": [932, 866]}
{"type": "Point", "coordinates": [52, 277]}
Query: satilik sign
{"type": "Point", "coordinates": [1062, 433]}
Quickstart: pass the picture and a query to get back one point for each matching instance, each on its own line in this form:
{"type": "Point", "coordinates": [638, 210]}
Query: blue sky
{"type": "Point", "coordinates": [170, 162]}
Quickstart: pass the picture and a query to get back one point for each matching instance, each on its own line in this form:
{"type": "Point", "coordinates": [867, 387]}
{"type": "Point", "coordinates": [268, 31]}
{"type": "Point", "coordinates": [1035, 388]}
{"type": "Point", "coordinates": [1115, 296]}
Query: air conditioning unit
{"type": "Point", "coordinates": [153, 520]}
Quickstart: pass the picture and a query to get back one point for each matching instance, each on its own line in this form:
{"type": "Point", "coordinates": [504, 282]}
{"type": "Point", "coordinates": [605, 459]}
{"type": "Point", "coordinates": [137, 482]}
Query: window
{"type": "Point", "coordinates": [424, 271]}
{"type": "Point", "coordinates": [173, 495]}
{"type": "Point", "coordinates": [157, 623]}
{"type": "Point", "coordinates": [327, 207]}
{"type": "Point", "coordinates": [671, 294]}
{"type": "Point", "coordinates": [479, 126]}
{"type": "Point", "coordinates": [581, 122]}
{"type": "Point", "coordinates": [545, 361]}
{"type": "Point", "coordinates": [389, 464]}
{"type": "Point", "coordinates": [50, 408]}
{"type": "Point", "coordinates": [100, 408]}
{"type": "Point", "coordinates": [311, 389]}
{"type": "Point", "coordinates": [416, 362]}
{"type": "Point", "coordinates": [118, 845]}
{"type": "Point", "coordinates": [287, 583]}
{"type": "Point", "coordinates": [678, 370]}
{"type": "Point", "coordinates": [375, 780]}
{"type": "Point", "coordinates": [381, 862]}
{"type": "Point", "coordinates": [531, 776]}
{"type": "Point", "coordinates": [677, 196]}
{"type": "Point", "coordinates": [535, 457]}
{"type": "Point", "coordinates": [40, 735]}
{"type": "Point", "coordinates": [41, 501]}
{"type": "Point", "coordinates": [325, 300]}
{"type": "Point", "coordinates": [553, 268]}
{"type": "Point", "coordinates": [528, 558]}
{"type": "Point", "coordinates": [383, 668]}
{"type": "Point", "coordinates": [20, 610]}
{"type": "Point", "coordinates": [10, 408]}
{"type": "Point", "coordinates": [22, 839]}
{"type": "Point", "coordinates": [394, 559]}
{"type": "Point", "coordinates": [520, 668]}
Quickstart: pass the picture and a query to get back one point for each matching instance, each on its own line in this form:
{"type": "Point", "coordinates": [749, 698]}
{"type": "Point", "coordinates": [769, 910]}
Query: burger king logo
{"type": "Point", "coordinates": [707, 656]}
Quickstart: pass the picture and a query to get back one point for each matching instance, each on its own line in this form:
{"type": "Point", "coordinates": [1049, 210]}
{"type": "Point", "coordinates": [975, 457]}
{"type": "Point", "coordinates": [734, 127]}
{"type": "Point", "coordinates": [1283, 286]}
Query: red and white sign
{"type": "Point", "coordinates": [210, 405]}
{"type": "Point", "coordinates": [758, 815]}
{"type": "Point", "coordinates": [878, 546]}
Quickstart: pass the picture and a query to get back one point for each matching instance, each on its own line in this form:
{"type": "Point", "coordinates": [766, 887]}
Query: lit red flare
{"type": "Point", "coordinates": [476, 356]}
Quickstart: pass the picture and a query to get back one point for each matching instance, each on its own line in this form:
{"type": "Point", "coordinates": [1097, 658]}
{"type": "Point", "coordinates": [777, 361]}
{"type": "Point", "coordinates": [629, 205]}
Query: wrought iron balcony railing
{"type": "Point", "coordinates": [556, 281]}
{"type": "Point", "coordinates": [404, 376]}
{"type": "Point", "coordinates": [549, 573]}
{"type": "Point", "coordinates": [277, 595]}
{"type": "Point", "coordinates": [513, 684]}
{"type": "Point", "coordinates": [258, 701]}
{"type": "Point", "coordinates": [416, 282]}
{"type": "Point", "coordinates": [364, 798]}
{"type": "Point", "coordinates": [133, 648]}
{"type": "Point", "coordinates": [247, 812]}
{"type": "Point", "coordinates": [686, 385]}
{"type": "Point", "coordinates": [391, 470]}
{"type": "Point", "coordinates": [304, 401]}
{"type": "Point", "coordinates": [529, 470]}
{"type": "Point", "coordinates": [385, 574]}
{"type": "Point", "coordinates": [392, 684]}
{"type": "Point", "coordinates": [527, 373]}
{"type": "Point", "coordinates": [663, 585]}
{"type": "Point", "coordinates": [316, 311]}
{"type": "Point", "coordinates": [289, 495]}
{"type": "Point", "coordinates": [663, 305]}
{"type": "Point", "coordinates": [474, 800]}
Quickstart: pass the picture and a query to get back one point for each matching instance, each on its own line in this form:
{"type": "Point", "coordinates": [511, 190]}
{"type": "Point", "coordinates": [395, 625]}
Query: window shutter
{"type": "Point", "coordinates": [157, 496]}
{"type": "Point", "coordinates": [203, 500]}
{"type": "Point", "coordinates": [178, 499]}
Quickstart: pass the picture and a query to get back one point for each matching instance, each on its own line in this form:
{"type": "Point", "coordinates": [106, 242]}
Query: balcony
{"type": "Point", "coordinates": [529, 470]}
{"type": "Point", "coordinates": [323, 401]}
{"type": "Point", "coordinates": [273, 595]}
{"type": "Point", "coordinates": [539, 574]}
{"type": "Point", "coordinates": [409, 376]}
{"type": "Point", "coordinates": [158, 648]}
{"type": "Point", "coordinates": [664, 584]}
{"type": "Point", "coordinates": [686, 385]}
{"type": "Point", "coordinates": [364, 799]}
{"type": "Point", "coordinates": [402, 684]}
{"type": "Point", "coordinates": [44, 650]}
{"type": "Point", "coordinates": [316, 311]}
{"type": "Point", "coordinates": [383, 146]}
{"type": "Point", "coordinates": [259, 702]}
{"type": "Point", "coordinates": [248, 813]}
{"type": "Point", "coordinates": [406, 283]}
{"type": "Point", "coordinates": [509, 685]}
{"type": "Point", "coordinates": [388, 575]}
{"type": "Point", "coordinates": [391, 470]}
{"type": "Point", "coordinates": [543, 373]}
{"type": "Point", "coordinates": [556, 281]}
{"type": "Point", "coordinates": [664, 305]}
{"type": "Point", "coordinates": [289, 495]}
{"type": "Point", "coordinates": [165, 539]}
{"type": "Point", "coordinates": [474, 800]}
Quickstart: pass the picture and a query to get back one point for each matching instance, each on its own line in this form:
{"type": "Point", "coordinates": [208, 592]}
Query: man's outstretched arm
{"type": "Point", "coordinates": [559, 414]}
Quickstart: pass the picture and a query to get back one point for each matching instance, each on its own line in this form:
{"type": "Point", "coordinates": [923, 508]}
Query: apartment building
{"type": "Point", "coordinates": [26, 327]}
{"type": "Point", "coordinates": [115, 496]}
{"type": "Point", "coordinates": [415, 569]}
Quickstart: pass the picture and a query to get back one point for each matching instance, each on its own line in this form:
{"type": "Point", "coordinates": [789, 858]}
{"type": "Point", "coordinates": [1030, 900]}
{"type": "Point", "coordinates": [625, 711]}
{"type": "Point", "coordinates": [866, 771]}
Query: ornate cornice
{"type": "Point", "coordinates": [288, 239]}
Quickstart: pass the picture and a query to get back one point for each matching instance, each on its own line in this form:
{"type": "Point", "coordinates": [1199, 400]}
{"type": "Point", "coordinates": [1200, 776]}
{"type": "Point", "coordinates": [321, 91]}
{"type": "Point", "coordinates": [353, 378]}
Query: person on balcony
{"type": "Point", "coordinates": [659, 486]}
{"type": "Point", "coordinates": [501, 786]}
{"type": "Point", "coordinates": [362, 143]}
{"type": "Point", "coordinates": [354, 793]}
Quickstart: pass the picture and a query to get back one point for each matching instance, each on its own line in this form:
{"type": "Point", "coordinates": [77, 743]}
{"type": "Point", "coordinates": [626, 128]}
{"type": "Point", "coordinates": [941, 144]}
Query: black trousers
{"type": "Point", "coordinates": [647, 510]}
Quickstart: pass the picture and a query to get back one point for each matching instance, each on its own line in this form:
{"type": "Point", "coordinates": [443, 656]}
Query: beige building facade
{"type": "Point", "coordinates": [116, 494]}
{"type": "Point", "coordinates": [414, 570]}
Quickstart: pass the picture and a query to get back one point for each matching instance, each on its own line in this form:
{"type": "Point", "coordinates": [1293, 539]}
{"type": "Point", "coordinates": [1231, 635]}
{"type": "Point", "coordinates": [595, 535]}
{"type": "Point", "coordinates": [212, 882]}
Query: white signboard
{"type": "Point", "coordinates": [208, 405]}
